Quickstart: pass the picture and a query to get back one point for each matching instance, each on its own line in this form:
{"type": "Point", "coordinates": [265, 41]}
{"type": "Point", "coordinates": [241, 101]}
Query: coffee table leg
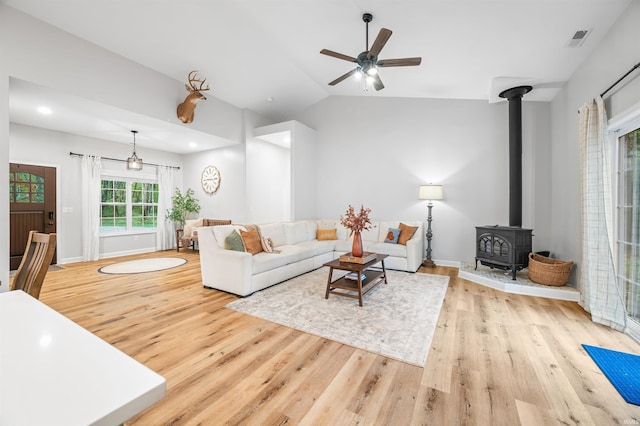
{"type": "Point", "coordinates": [326, 295]}
{"type": "Point", "coordinates": [360, 288]}
{"type": "Point", "coordinates": [384, 271]}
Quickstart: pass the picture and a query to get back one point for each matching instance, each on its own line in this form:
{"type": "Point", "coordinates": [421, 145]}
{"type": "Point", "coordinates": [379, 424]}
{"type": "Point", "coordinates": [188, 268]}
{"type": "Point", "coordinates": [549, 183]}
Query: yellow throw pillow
{"type": "Point", "coordinates": [251, 240]}
{"type": "Point", "coordinates": [406, 232]}
{"type": "Point", "coordinates": [326, 234]}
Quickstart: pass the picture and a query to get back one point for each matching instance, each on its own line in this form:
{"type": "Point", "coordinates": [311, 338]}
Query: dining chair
{"type": "Point", "coordinates": [35, 263]}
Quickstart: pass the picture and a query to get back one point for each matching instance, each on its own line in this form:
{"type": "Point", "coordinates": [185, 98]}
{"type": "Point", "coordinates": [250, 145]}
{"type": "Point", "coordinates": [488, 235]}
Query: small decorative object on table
{"type": "Point", "coordinates": [366, 257]}
{"type": "Point", "coordinates": [356, 224]}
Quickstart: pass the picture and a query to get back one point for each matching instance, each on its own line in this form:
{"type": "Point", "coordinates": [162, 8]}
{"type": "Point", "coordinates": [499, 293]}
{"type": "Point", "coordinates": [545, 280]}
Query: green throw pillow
{"type": "Point", "coordinates": [234, 241]}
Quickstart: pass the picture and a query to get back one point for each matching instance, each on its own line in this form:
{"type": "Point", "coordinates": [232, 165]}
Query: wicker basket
{"type": "Point", "coordinates": [547, 271]}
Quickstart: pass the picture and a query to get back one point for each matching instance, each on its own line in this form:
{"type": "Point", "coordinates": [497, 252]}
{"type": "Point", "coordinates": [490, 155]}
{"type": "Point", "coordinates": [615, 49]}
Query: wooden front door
{"type": "Point", "coordinates": [32, 201]}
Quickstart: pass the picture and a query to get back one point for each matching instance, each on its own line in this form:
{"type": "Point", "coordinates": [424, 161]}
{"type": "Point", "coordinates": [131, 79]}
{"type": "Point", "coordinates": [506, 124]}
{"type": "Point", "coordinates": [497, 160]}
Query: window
{"type": "Point", "coordinates": [629, 221]}
{"type": "Point", "coordinates": [26, 188]}
{"type": "Point", "coordinates": [128, 205]}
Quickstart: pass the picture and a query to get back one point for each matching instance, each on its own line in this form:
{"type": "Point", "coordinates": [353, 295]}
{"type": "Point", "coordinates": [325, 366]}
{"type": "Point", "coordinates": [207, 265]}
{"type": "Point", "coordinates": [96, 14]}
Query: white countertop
{"type": "Point", "coordinates": [54, 372]}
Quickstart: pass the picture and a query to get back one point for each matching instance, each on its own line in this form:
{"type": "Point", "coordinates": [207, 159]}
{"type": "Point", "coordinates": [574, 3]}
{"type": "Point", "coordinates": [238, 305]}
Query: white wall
{"type": "Point", "coordinates": [268, 182]}
{"type": "Point", "coordinates": [378, 151]}
{"type": "Point", "coordinates": [4, 184]}
{"type": "Point", "coordinates": [32, 145]}
{"type": "Point", "coordinates": [616, 54]}
{"type": "Point", "coordinates": [230, 201]}
{"type": "Point", "coordinates": [304, 172]}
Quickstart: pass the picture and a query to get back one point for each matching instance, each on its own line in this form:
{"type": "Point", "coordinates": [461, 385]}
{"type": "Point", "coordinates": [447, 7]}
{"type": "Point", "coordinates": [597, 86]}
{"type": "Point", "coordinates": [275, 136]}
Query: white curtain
{"type": "Point", "coordinates": [600, 294]}
{"type": "Point", "coordinates": [165, 236]}
{"type": "Point", "coordinates": [91, 167]}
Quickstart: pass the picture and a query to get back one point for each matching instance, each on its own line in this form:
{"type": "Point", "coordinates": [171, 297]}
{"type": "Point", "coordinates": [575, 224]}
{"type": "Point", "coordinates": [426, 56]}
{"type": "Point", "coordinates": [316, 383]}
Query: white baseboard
{"type": "Point", "coordinates": [127, 252]}
{"type": "Point", "coordinates": [69, 260]}
{"type": "Point", "coordinates": [452, 263]}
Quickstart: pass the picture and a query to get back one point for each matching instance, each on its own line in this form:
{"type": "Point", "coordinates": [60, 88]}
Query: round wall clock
{"type": "Point", "coordinates": [210, 179]}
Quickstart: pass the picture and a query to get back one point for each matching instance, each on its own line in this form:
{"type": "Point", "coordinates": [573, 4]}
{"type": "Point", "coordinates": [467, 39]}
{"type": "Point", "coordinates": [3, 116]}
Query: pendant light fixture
{"type": "Point", "coordinates": [133, 162]}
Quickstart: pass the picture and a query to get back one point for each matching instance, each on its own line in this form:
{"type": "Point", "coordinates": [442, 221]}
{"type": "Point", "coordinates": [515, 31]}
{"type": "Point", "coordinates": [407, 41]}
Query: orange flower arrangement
{"type": "Point", "coordinates": [356, 223]}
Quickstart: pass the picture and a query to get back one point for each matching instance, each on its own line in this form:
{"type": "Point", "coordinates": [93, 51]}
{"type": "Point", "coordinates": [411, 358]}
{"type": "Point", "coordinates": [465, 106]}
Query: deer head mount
{"type": "Point", "coordinates": [186, 108]}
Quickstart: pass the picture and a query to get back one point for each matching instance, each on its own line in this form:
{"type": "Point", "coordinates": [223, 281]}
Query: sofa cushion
{"type": "Point", "coordinates": [392, 236]}
{"type": "Point", "coordinates": [347, 245]}
{"type": "Point", "coordinates": [406, 232]}
{"type": "Point", "coordinates": [344, 245]}
{"type": "Point", "coordinates": [275, 231]}
{"type": "Point", "coordinates": [396, 250]}
{"type": "Point", "coordinates": [326, 223]}
{"type": "Point", "coordinates": [296, 232]}
{"type": "Point", "coordinates": [234, 241]}
{"type": "Point", "coordinates": [326, 234]}
{"type": "Point", "coordinates": [319, 246]}
{"type": "Point", "coordinates": [371, 234]}
{"type": "Point", "coordinates": [312, 228]}
{"type": "Point", "coordinates": [221, 232]}
{"type": "Point", "coordinates": [295, 253]}
{"type": "Point", "coordinates": [251, 240]}
{"type": "Point", "coordinates": [267, 261]}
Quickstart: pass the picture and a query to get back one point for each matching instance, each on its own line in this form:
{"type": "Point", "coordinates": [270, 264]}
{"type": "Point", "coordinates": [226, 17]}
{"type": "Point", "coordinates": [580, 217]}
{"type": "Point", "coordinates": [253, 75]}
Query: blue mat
{"type": "Point", "coordinates": [622, 370]}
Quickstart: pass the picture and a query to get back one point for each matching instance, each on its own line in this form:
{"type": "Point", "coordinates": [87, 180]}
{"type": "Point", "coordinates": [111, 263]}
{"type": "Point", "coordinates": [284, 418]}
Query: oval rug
{"type": "Point", "coordinates": [143, 265]}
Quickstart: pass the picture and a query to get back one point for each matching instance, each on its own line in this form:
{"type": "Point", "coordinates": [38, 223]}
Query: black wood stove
{"type": "Point", "coordinates": [503, 247]}
{"type": "Point", "coordinates": [508, 247]}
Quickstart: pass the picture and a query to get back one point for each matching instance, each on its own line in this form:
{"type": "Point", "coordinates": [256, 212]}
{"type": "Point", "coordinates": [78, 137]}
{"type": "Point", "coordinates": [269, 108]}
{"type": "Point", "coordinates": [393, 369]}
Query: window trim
{"type": "Point", "coordinates": [129, 179]}
{"type": "Point", "coordinates": [618, 126]}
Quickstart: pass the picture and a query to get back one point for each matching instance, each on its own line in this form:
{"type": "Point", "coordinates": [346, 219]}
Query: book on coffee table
{"type": "Point", "coordinates": [354, 276]}
{"type": "Point", "coordinates": [366, 257]}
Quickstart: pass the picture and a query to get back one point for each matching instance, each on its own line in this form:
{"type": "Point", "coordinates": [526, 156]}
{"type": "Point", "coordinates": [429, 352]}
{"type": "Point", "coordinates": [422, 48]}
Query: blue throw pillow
{"type": "Point", "coordinates": [392, 236]}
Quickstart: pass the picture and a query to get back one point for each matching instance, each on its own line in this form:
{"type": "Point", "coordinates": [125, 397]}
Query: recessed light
{"type": "Point", "coordinates": [44, 110]}
{"type": "Point", "coordinates": [192, 144]}
{"type": "Point", "coordinates": [270, 99]}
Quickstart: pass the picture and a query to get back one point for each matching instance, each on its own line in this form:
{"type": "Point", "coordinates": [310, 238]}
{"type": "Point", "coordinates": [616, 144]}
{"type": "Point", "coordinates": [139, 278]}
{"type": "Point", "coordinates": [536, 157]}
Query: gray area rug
{"type": "Point", "coordinates": [397, 320]}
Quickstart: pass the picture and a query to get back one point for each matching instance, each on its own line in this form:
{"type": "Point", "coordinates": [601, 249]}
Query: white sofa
{"type": "Point", "coordinates": [297, 252]}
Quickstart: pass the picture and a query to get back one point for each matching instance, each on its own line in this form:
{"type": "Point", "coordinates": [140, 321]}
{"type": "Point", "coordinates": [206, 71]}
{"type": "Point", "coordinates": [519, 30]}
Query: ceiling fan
{"type": "Point", "coordinates": [367, 61]}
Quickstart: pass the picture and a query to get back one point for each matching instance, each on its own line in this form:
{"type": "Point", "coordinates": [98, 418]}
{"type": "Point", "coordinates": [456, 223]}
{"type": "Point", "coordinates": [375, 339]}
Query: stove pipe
{"type": "Point", "coordinates": [514, 96]}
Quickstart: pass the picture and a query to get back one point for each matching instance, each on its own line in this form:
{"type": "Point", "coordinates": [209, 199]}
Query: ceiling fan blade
{"type": "Point", "coordinates": [343, 77]}
{"type": "Point", "coordinates": [377, 83]}
{"type": "Point", "coordinates": [379, 43]}
{"type": "Point", "coordinates": [402, 62]}
{"type": "Point", "coordinates": [338, 55]}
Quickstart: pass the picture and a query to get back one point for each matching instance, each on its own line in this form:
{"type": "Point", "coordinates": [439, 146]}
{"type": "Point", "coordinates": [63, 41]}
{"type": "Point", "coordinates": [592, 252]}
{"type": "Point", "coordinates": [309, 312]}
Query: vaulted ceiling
{"type": "Point", "coordinates": [264, 54]}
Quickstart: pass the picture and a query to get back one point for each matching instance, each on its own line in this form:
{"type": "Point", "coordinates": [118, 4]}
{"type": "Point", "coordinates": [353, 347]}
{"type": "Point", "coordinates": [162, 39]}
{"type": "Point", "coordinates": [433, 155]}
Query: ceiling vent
{"type": "Point", "coordinates": [578, 38]}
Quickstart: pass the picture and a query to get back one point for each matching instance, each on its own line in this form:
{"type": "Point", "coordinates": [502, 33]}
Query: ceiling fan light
{"type": "Point", "coordinates": [370, 79]}
{"type": "Point", "coordinates": [358, 74]}
{"type": "Point", "coordinates": [373, 70]}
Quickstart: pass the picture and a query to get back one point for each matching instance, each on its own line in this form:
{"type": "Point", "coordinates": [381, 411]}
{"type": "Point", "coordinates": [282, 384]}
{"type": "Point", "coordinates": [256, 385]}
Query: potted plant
{"type": "Point", "coordinates": [183, 205]}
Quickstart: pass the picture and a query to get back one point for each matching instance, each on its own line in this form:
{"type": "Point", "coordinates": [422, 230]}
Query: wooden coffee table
{"type": "Point", "coordinates": [359, 286]}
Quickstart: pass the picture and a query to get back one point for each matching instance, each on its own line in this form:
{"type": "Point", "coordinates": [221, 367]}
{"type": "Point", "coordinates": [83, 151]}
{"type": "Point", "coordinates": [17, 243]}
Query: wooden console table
{"type": "Point", "coordinates": [359, 286]}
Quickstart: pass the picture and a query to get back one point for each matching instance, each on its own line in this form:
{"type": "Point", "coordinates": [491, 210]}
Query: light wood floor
{"type": "Point", "coordinates": [496, 358]}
